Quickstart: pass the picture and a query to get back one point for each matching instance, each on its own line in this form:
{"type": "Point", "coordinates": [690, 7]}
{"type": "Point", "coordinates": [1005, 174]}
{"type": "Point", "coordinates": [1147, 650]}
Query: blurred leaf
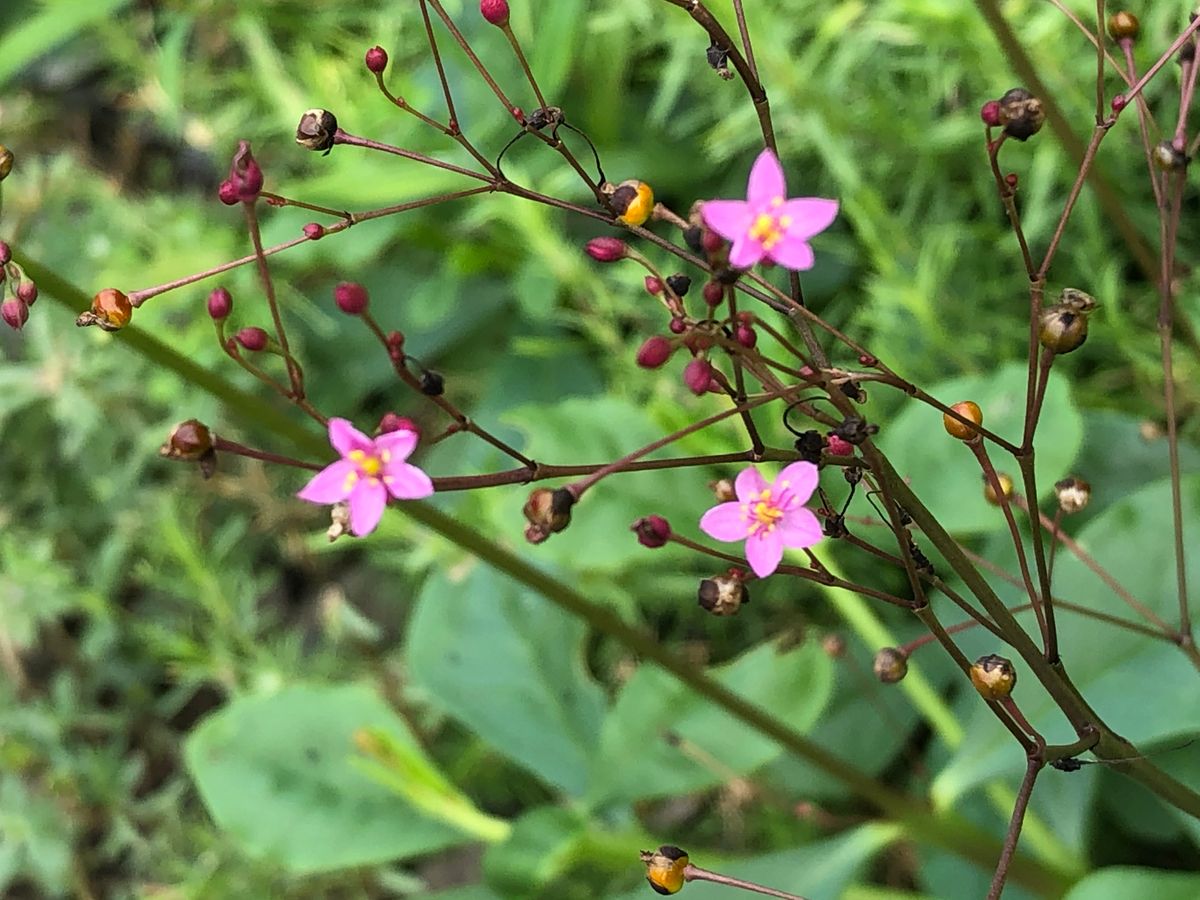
{"type": "Point", "coordinates": [509, 665]}
{"type": "Point", "coordinates": [277, 772]}
{"type": "Point", "coordinates": [944, 473]}
{"type": "Point", "coordinates": [542, 846]}
{"type": "Point", "coordinates": [682, 743]}
{"type": "Point", "coordinates": [43, 31]}
{"type": "Point", "coordinates": [1120, 883]}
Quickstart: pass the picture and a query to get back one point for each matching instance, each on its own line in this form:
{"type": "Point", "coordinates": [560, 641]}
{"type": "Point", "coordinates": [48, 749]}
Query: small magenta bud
{"type": "Point", "coordinates": [245, 174]}
{"type": "Point", "coordinates": [839, 447]}
{"type": "Point", "coordinates": [376, 60]}
{"type": "Point", "coordinates": [970, 411]}
{"type": "Point", "coordinates": [395, 345]}
{"type": "Point", "coordinates": [653, 285]}
{"type": "Point", "coordinates": [228, 193]}
{"type": "Point", "coordinates": [714, 292]}
{"type": "Point", "coordinates": [711, 241]}
{"type": "Point", "coordinates": [5, 253]}
{"type": "Point", "coordinates": [746, 336]}
{"type": "Point", "coordinates": [1011, 180]}
{"type": "Point", "coordinates": [677, 325]}
{"type": "Point", "coordinates": [314, 231]}
{"type": "Point", "coordinates": [27, 292]}
{"type": "Point", "coordinates": [111, 311]}
{"type": "Point", "coordinates": [15, 313]}
{"type": "Point", "coordinates": [517, 113]}
{"type": "Point", "coordinates": [392, 422]}
{"type": "Point", "coordinates": [654, 352]}
{"type": "Point", "coordinates": [698, 376]}
{"type": "Point", "coordinates": [652, 531]}
{"type": "Point", "coordinates": [990, 113]}
{"type": "Point", "coordinates": [495, 11]}
{"type": "Point", "coordinates": [350, 297]}
{"type": "Point", "coordinates": [607, 249]}
{"type": "Point", "coordinates": [1119, 102]}
{"type": "Point", "coordinates": [252, 338]}
{"type": "Point", "coordinates": [220, 304]}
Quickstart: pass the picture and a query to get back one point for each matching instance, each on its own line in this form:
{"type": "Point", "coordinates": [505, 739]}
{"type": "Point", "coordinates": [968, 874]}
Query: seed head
{"type": "Point", "coordinates": [317, 130]}
{"type": "Point", "coordinates": [1021, 114]}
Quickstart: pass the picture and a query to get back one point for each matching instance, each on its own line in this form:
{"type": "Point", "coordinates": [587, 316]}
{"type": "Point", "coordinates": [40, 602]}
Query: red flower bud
{"type": "Point", "coordinates": [252, 338]}
{"type": "Point", "coordinates": [990, 113]}
{"type": "Point", "coordinates": [220, 304]}
{"type": "Point", "coordinates": [698, 376]}
{"type": "Point", "coordinates": [5, 253]}
{"type": "Point", "coordinates": [227, 193]}
{"type": "Point", "coordinates": [395, 344]}
{"type": "Point", "coordinates": [838, 446]}
{"type": "Point", "coordinates": [606, 249]}
{"type": "Point", "coordinates": [711, 241]}
{"type": "Point", "coordinates": [377, 60]}
{"type": "Point", "coordinates": [15, 313]}
{"type": "Point", "coordinates": [1119, 102]}
{"type": "Point", "coordinates": [495, 11]}
{"type": "Point", "coordinates": [714, 292]}
{"type": "Point", "coordinates": [654, 352]}
{"type": "Point", "coordinates": [652, 531]}
{"type": "Point", "coordinates": [677, 325]}
{"type": "Point", "coordinates": [314, 231]}
{"type": "Point", "coordinates": [654, 285]}
{"type": "Point", "coordinates": [245, 174]}
{"type": "Point", "coordinates": [350, 297]}
{"type": "Point", "coordinates": [746, 336]}
{"type": "Point", "coordinates": [392, 422]}
{"type": "Point", "coordinates": [27, 292]}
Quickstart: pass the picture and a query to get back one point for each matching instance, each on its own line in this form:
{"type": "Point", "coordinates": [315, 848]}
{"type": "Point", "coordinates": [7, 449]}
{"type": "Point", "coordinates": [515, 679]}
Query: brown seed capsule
{"type": "Point", "coordinates": [665, 867]}
{"type": "Point", "coordinates": [993, 676]}
{"type": "Point", "coordinates": [1168, 157]}
{"type": "Point", "coordinates": [891, 665]}
{"type": "Point", "coordinates": [1073, 494]}
{"type": "Point", "coordinates": [989, 492]}
{"type": "Point", "coordinates": [1021, 114]}
{"type": "Point", "coordinates": [548, 512]}
{"type": "Point", "coordinates": [316, 130]}
{"type": "Point", "coordinates": [111, 310]}
{"type": "Point", "coordinates": [970, 411]}
{"type": "Point", "coordinates": [1064, 326]}
{"type": "Point", "coordinates": [723, 595]}
{"type": "Point", "coordinates": [191, 441]}
{"type": "Point", "coordinates": [1123, 26]}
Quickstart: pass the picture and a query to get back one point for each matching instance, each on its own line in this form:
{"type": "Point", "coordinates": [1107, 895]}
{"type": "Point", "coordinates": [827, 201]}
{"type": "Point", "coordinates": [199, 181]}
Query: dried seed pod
{"type": "Point", "coordinates": [1073, 494]}
{"type": "Point", "coordinates": [316, 130]}
{"type": "Point", "coordinates": [548, 512]}
{"type": "Point", "coordinates": [633, 202]}
{"type": "Point", "coordinates": [993, 676]}
{"type": "Point", "coordinates": [665, 867]}
{"type": "Point", "coordinates": [1064, 326]}
{"type": "Point", "coordinates": [1021, 114]}
{"type": "Point", "coordinates": [723, 595]}
{"type": "Point", "coordinates": [191, 441]}
{"type": "Point", "coordinates": [652, 531]}
{"type": "Point", "coordinates": [891, 665]}
{"type": "Point", "coordinates": [1123, 26]}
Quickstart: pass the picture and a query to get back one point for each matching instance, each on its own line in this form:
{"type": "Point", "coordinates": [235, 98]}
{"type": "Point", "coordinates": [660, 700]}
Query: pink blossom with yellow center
{"type": "Point", "coordinates": [369, 472]}
{"type": "Point", "coordinates": [768, 517]}
{"type": "Point", "coordinates": [767, 225]}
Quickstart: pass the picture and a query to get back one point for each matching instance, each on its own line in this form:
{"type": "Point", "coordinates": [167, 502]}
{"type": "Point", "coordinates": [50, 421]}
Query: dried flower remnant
{"type": "Point", "coordinates": [768, 517]}
{"type": "Point", "coordinates": [548, 512]}
{"type": "Point", "coordinates": [317, 130]}
{"type": "Point", "coordinates": [1073, 494]}
{"type": "Point", "coordinates": [767, 225]}
{"type": "Point", "coordinates": [890, 665]}
{"type": "Point", "coordinates": [191, 441]}
{"type": "Point", "coordinates": [633, 202]}
{"type": "Point", "coordinates": [368, 472]}
{"type": "Point", "coordinates": [724, 595]}
{"type": "Point", "coordinates": [1021, 114]}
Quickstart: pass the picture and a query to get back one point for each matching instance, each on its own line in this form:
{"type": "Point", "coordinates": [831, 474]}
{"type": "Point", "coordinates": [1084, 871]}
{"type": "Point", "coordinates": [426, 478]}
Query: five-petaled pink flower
{"type": "Point", "coordinates": [767, 224]}
{"type": "Point", "coordinates": [367, 473]}
{"type": "Point", "coordinates": [768, 517]}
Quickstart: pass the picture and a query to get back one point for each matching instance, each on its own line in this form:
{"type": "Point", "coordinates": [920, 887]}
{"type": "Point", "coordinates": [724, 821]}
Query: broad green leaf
{"type": "Point", "coordinates": [509, 665]}
{"type": "Point", "coordinates": [944, 473]}
{"type": "Point", "coordinates": [682, 742]}
{"type": "Point", "coordinates": [543, 844]}
{"type": "Point", "coordinates": [1122, 883]}
{"type": "Point", "coordinates": [1116, 670]}
{"type": "Point", "coordinates": [278, 773]}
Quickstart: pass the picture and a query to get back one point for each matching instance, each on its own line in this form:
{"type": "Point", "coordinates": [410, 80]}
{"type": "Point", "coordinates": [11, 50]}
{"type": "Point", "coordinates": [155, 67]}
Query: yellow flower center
{"type": "Point", "coordinates": [764, 513]}
{"type": "Point", "coordinates": [769, 228]}
{"type": "Point", "coordinates": [369, 466]}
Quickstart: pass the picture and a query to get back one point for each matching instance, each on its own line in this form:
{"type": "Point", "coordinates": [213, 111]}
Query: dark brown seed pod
{"type": "Point", "coordinates": [1021, 114]}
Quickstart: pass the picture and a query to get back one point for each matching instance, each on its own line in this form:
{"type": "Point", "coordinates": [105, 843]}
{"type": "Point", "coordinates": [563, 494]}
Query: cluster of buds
{"type": "Point", "coordinates": [20, 291]}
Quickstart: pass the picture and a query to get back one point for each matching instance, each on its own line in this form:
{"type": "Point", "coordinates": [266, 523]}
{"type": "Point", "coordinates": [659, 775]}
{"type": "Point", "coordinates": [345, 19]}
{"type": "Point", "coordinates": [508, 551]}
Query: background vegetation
{"type": "Point", "coordinates": [187, 662]}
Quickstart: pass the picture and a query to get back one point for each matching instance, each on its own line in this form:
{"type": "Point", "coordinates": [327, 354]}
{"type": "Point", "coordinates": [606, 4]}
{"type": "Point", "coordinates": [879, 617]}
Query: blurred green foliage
{"type": "Point", "coordinates": [176, 652]}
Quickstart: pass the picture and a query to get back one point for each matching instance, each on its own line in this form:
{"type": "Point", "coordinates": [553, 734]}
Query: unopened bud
{"type": "Point", "coordinates": [993, 676]}
{"type": "Point", "coordinates": [606, 249]}
{"type": "Point", "coordinates": [548, 512]}
{"type": "Point", "coordinates": [970, 411]}
{"type": "Point", "coordinates": [245, 174]}
{"type": "Point", "coordinates": [698, 376]}
{"type": "Point", "coordinates": [227, 192]}
{"type": "Point", "coordinates": [891, 665]}
{"type": "Point", "coordinates": [15, 313]}
{"type": "Point", "coordinates": [350, 297]}
{"type": "Point", "coordinates": [990, 113]}
{"type": "Point", "coordinates": [834, 646]}
{"type": "Point", "coordinates": [652, 531]}
{"type": "Point", "coordinates": [111, 311]}
{"type": "Point", "coordinates": [653, 285]}
{"type": "Point", "coordinates": [376, 59]}
{"type": "Point", "coordinates": [392, 422]}
{"type": "Point", "coordinates": [5, 255]}
{"type": "Point", "coordinates": [316, 130]}
{"type": "Point", "coordinates": [664, 868]}
{"type": "Point", "coordinates": [655, 351]}
{"type": "Point", "coordinates": [252, 338]}
{"type": "Point", "coordinates": [1021, 114]}
{"type": "Point", "coordinates": [723, 595]}
{"type": "Point", "coordinates": [495, 11]}
{"type": "Point", "coordinates": [314, 231]}
{"type": "Point", "coordinates": [835, 446]}
{"type": "Point", "coordinates": [220, 304]}
{"type": "Point", "coordinates": [1073, 494]}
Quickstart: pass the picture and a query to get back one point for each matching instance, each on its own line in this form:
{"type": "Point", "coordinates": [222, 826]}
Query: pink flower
{"type": "Point", "coordinates": [367, 473]}
{"type": "Point", "coordinates": [766, 224]}
{"type": "Point", "coordinates": [767, 517]}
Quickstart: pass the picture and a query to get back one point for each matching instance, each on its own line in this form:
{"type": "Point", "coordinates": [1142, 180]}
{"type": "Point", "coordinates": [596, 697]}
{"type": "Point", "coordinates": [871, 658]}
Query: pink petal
{"type": "Point", "coordinates": [344, 437]}
{"type": "Point", "coordinates": [764, 553]}
{"type": "Point", "coordinates": [749, 484]}
{"type": "Point", "coordinates": [809, 215]}
{"type": "Point", "coordinates": [331, 484]}
{"type": "Point", "coordinates": [399, 443]}
{"type": "Point", "coordinates": [791, 253]}
{"type": "Point", "coordinates": [367, 501]}
{"type": "Point", "coordinates": [729, 218]}
{"type": "Point", "coordinates": [766, 180]}
{"type": "Point", "coordinates": [406, 482]}
{"type": "Point", "coordinates": [745, 252]}
{"type": "Point", "coordinates": [725, 522]}
{"type": "Point", "coordinates": [799, 479]}
{"type": "Point", "coordinates": [799, 528]}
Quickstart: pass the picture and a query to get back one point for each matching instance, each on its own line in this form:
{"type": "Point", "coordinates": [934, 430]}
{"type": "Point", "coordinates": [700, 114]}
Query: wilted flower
{"type": "Point", "coordinates": [766, 224]}
{"type": "Point", "coordinates": [368, 472]}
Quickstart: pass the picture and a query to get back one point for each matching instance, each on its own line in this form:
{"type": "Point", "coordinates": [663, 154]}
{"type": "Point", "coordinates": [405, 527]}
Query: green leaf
{"type": "Point", "coordinates": [543, 844]}
{"type": "Point", "coordinates": [654, 709]}
{"type": "Point", "coordinates": [1113, 668]}
{"type": "Point", "coordinates": [45, 30]}
{"type": "Point", "coordinates": [509, 665]}
{"type": "Point", "coordinates": [1121, 883]}
{"type": "Point", "coordinates": [278, 773]}
{"type": "Point", "coordinates": [944, 473]}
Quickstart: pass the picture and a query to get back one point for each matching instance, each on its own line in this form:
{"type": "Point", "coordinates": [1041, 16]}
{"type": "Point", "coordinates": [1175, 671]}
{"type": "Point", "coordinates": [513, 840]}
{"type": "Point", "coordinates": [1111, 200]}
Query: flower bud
{"type": "Point", "coordinates": [252, 338]}
{"type": "Point", "coordinates": [1168, 157]}
{"type": "Point", "coordinates": [1073, 494]}
{"type": "Point", "coordinates": [970, 411]}
{"type": "Point", "coordinates": [713, 293]}
{"type": "Point", "coordinates": [350, 297]}
{"type": "Point", "coordinates": [1123, 26]}
{"type": "Point", "coordinates": [220, 304]}
{"type": "Point", "coordinates": [191, 441]}
{"type": "Point", "coordinates": [993, 676]}
{"type": "Point", "coordinates": [1118, 102]}
{"type": "Point", "coordinates": [891, 665]}
{"type": "Point", "coordinates": [1021, 114]}
{"type": "Point", "coordinates": [712, 242]}
{"type": "Point", "coordinates": [376, 60]}
{"type": "Point", "coordinates": [654, 285]}
{"type": "Point", "coordinates": [698, 376]}
{"type": "Point", "coordinates": [245, 174]}
{"type": "Point", "coordinates": [392, 422]}
{"type": "Point", "coordinates": [314, 231]}
{"type": "Point", "coordinates": [5, 255]}
{"type": "Point", "coordinates": [6, 162]}
{"type": "Point", "coordinates": [14, 313]}
{"type": "Point", "coordinates": [654, 352]}
{"type": "Point", "coordinates": [633, 202]}
{"type": "Point", "coordinates": [664, 868]}
{"type": "Point", "coordinates": [607, 249]}
{"type": "Point", "coordinates": [27, 292]}
{"type": "Point", "coordinates": [395, 345]}
{"type": "Point", "coordinates": [432, 383]}
{"type": "Point", "coordinates": [652, 531]}
{"type": "Point", "coordinates": [835, 446]}
{"type": "Point", "coordinates": [990, 113]}
{"type": "Point", "coordinates": [989, 490]}
{"type": "Point", "coordinates": [679, 284]}
{"type": "Point", "coordinates": [677, 325]}
{"type": "Point", "coordinates": [495, 11]}
{"type": "Point", "coordinates": [746, 336]}
{"type": "Point", "coordinates": [111, 310]}
{"type": "Point", "coordinates": [548, 512]}
{"type": "Point", "coordinates": [227, 193]}
{"type": "Point", "coordinates": [317, 130]}
{"type": "Point", "coordinates": [723, 595]}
